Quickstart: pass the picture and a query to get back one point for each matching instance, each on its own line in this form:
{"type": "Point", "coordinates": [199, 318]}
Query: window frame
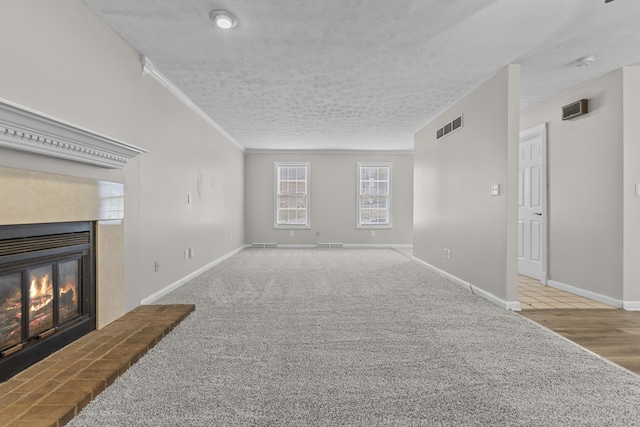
{"type": "Point", "coordinates": [389, 209]}
{"type": "Point", "coordinates": [276, 180]}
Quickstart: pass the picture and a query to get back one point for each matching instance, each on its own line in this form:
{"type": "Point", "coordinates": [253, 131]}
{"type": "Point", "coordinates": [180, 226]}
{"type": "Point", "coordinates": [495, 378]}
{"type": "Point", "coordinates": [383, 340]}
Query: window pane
{"type": "Point", "coordinates": [369, 187]}
{"type": "Point", "coordinates": [382, 173]}
{"type": "Point", "coordinates": [291, 201]}
{"type": "Point", "coordinates": [367, 174]}
{"type": "Point", "coordinates": [301, 173]}
{"type": "Point", "coordinates": [364, 216]}
{"type": "Point", "coordinates": [382, 188]}
{"type": "Point", "coordinates": [382, 202]}
{"type": "Point", "coordinates": [299, 187]}
{"type": "Point", "coordinates": [302, 202]}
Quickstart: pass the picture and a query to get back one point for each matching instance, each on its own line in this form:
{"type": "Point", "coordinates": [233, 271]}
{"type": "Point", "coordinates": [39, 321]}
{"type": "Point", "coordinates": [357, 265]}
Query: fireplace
{"type": "Point", "coordinates": [47, 290]}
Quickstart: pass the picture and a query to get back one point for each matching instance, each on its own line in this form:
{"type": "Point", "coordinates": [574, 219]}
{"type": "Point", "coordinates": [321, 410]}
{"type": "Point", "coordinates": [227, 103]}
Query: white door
{"type": "Point", "coordinates": [532, 195]}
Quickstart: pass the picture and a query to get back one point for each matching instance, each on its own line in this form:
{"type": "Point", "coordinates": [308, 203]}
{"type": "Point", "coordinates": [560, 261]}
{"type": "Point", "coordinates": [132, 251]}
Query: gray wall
{"type": "Point", "coordinates": [333, 199]}
{"type": "Point", "coordinates": [593, 168]}
{"type": "Point", "coordinates": [68, 64]}
{"type": "Point", "coordinates": [454, 208]}
{"type": "Point", "coordinates": [631, 177]}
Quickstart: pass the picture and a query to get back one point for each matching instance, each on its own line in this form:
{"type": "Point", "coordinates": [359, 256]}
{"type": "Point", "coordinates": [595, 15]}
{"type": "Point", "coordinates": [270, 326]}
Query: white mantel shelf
{"type": "Point", "coordinates": [28, 130]}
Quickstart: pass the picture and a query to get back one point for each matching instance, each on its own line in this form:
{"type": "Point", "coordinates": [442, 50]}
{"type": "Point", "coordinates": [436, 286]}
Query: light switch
{"type": "Point", "coordinates": [495, 190]}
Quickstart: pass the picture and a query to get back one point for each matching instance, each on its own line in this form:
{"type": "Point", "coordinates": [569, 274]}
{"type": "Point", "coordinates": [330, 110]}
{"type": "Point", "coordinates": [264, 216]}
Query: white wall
{"type": "Point", "coordinates": [585, 179]}
{"type": "Point", "coordinates": [453, 205]}
{"type": "Point", "coordinates": [186, 156]}
{"type": "Point", "coordinates": [60, 59]}
{"type": "Point", "coordinates": [333, 199]}
{"type": "Point", "coordinates": [631, 177]}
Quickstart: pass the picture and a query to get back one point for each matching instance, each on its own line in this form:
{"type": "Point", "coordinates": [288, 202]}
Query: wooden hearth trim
{"type": "Point", "coordinates": [54, 390]}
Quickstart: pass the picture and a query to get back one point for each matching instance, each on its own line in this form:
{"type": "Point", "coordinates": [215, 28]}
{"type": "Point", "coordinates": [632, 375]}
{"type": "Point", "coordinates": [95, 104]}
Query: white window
{"type": "Point", "coordinates": [292, 195]}
{"type": "Point", "coordinates": [374, 195]}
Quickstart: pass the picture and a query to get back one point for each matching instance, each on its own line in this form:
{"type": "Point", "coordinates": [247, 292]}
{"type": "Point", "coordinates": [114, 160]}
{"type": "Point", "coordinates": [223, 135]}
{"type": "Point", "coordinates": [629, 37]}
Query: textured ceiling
{"type": "Point", "coordinates": [366, 74]}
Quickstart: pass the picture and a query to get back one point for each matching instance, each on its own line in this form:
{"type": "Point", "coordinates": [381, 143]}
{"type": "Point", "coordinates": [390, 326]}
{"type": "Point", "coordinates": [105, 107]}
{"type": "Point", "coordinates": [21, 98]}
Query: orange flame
{"type": "Point", "coordinates": [42, 291]}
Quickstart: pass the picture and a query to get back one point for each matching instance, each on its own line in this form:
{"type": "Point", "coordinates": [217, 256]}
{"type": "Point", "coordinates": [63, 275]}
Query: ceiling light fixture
{"type": "Point", "coordinates": [584, 62]}
{"type": "Point", "coordinates": [223, 19]}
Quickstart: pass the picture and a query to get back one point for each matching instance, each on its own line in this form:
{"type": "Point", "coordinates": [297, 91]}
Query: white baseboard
{"type": "Point", "coordinates": [377, 246]}
{"type": "Point", "coordinates": [591, 295]}
{"type": "Point", "coordinates": [509, 305]}
{"type": "Point", "coordinates": [631, 305]}
{"type": "Point", "coordinates": [346, 246]}
{"type": "Point", "coordinates": [301, 246]}
{"type": "Point", "coordinates": [175, 285]}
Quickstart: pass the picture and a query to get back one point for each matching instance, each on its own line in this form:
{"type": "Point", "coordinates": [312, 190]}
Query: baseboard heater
{"type": "Point", "coordinates": [264, 245]}
{"type": "Point", "coordinates": [329, 246]}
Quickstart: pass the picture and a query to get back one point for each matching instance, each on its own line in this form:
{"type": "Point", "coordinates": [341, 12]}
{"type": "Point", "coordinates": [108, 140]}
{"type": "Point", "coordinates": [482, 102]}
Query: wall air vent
{"type": "Point", "coordinates": [329, 246]}
{"type": "Point", "coordinates": [449, 128]}
{"type": "Point", "coordinates": [264, 245]}
{"type": "Point", "coordinates": [575, 109]}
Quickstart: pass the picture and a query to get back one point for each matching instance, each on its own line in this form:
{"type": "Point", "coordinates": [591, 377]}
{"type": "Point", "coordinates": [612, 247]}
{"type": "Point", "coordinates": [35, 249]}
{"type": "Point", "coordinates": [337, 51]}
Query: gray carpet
{"type": "Point", "coordinates": [357, 337]}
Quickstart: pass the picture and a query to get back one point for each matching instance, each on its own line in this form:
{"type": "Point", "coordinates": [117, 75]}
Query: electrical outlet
{"type": "Point", "coordinates": [495, 190]}
{"type": "Point", "coordinates": [373, 233]}
{"type": "Point", "coordinates": [317, 234]}
{"type": "Point", "coordinates": [156, 266]}
{"type": "Point", "coordinates": [446, 254]}
{"type": "Point", "coordinates": [291, 233]}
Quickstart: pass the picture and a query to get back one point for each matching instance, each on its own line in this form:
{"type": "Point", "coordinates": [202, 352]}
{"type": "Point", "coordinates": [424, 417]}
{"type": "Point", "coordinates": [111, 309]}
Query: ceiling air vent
{"type": "Point", "coordinates": [575, 109]}
{"type": "Point", "coordinates": [449, 128]}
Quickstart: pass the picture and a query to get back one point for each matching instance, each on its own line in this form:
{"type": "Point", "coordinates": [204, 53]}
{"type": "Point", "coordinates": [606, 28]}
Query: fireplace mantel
{"type": "Point", "coordinates": [28, 130]}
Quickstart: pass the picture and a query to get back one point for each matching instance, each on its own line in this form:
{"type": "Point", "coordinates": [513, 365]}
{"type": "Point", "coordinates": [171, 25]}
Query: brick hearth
{"type": "Point", "coordinates": [51, 392]}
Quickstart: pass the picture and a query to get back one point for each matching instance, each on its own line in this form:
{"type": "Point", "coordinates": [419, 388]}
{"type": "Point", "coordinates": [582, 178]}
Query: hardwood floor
{"type": "Point", "coordinates": [613, 334]}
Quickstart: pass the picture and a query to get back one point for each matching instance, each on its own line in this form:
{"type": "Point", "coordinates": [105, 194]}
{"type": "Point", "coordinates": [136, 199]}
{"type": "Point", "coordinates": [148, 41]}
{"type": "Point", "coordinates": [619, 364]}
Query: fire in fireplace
{"type": "Point", "coordinates": [46, 290]}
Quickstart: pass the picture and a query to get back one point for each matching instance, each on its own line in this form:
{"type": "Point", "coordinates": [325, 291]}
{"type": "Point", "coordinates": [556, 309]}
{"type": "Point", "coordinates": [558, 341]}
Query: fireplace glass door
{"type": "Point", "coordinates": [40, 299]}
{"type": "Point", "coordinates": [10, 309]}
{"type": "Point", "coordinates": [68, 291]}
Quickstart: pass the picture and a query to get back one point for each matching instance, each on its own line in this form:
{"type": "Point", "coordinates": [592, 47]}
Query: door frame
{"type": "Point", "coordinates": [533, 132]}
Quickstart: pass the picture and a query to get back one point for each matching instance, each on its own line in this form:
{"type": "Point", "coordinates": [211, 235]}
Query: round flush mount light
{"type": "Point", "coordinates": [223, 19]}
{"type": "Point", "coordinates": [584, 62]}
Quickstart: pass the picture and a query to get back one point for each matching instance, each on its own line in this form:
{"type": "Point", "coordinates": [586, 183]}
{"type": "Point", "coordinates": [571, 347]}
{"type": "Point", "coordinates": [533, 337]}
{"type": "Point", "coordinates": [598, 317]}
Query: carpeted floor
{"type": "Point", "coordinates": [357, 337]}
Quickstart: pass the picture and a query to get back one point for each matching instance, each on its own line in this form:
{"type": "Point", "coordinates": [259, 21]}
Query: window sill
{"type": "Point", "coordinates": [292, 227]}
{"type": "Point", "coordinates": [373, 226]}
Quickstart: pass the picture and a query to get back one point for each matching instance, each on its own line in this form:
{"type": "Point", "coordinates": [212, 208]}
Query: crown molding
{"type": "Point", "coordinates": [329, 151]}
{"type": "Point", "coordinates": [28, 130]}
{"type": "Point", "coordinates": [149, 69]}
